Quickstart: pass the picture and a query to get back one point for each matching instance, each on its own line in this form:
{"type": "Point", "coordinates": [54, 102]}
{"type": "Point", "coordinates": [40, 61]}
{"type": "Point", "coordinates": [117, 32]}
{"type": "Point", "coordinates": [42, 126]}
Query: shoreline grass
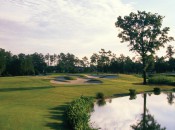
{"type": "Point", "coordinates": [162, 80]}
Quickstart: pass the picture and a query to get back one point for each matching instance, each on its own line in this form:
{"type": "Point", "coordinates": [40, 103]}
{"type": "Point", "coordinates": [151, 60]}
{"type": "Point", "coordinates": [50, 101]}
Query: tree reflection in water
{"type": "Point", "coordinates": [147, 121]}
{"type": "Point", "coordinates": [170, 98]}
{"type": "Point", "coordinates": [101, 102]}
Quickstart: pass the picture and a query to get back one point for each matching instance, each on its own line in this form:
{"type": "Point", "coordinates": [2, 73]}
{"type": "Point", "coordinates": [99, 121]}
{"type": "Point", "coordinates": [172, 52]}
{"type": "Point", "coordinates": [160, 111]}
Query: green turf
{"type": "Point", "coordinates": [33, 103]}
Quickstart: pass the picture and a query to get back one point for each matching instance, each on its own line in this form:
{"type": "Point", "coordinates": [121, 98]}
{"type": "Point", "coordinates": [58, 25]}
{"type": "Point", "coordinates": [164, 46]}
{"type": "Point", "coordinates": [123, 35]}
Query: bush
{"type": "Point", "coordinates": [100, 95]}
{"type": "Point", "coordinates": [162, 80]}
{"type": "Point", "coordinates": [157, 91]}
{"type": "Point", "coordinates": [70, 78]}
{"type": "Point", "coordinates": [78, 113]}
{"type": "Point", "coordinates": [174, 89]}
{"type": "Point", "coordinates": [132, 92]}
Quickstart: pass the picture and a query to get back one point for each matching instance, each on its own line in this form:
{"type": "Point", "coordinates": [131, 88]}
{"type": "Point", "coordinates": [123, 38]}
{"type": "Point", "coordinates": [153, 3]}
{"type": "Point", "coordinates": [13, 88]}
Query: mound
{"type": "Point", "coordinates": [94, 81]}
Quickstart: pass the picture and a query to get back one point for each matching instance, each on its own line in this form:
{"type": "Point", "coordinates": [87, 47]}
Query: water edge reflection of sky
{"type": "Point", "coordinates": [121, 113]}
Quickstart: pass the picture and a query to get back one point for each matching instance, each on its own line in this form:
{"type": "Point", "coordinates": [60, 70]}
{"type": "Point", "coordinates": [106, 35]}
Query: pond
{"type": "Point", "coordinates": [145, 111]}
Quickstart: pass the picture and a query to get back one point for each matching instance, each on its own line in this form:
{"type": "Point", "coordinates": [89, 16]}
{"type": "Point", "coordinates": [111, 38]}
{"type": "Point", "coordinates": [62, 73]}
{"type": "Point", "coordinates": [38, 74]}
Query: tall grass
{"type": "Point", "coordinates": [161, 79]}
{"type": "Point", "coordinates": [78, 113]}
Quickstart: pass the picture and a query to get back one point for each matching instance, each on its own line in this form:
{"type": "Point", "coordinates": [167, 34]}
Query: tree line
{"type": "Point", "coordinates": [102, 61]}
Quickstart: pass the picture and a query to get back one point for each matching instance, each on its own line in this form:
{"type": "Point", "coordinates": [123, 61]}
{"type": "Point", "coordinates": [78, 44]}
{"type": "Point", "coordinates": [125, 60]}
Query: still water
{"type": "Point", "coordinates": [146, 111]}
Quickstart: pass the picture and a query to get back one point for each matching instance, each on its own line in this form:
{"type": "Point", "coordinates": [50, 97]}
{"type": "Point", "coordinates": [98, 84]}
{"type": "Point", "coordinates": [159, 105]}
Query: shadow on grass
{"type": "Point", "coordinates": [57, 114]}
{"type": "Point", "coordinates": [23, 89]}
{"type": "Point", "coordinates": [121, 95]}
{"type": "Point", "coordinates": [140, 83]}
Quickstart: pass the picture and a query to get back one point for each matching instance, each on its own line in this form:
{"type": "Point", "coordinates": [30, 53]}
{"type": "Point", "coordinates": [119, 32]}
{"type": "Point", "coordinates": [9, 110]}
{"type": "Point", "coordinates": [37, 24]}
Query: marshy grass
{"type": "Point", "coordinates": [162, 80]}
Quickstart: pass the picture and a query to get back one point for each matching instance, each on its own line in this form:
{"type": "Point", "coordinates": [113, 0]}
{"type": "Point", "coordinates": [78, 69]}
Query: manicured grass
{"type": "Point", "coordinates": [33, 103]}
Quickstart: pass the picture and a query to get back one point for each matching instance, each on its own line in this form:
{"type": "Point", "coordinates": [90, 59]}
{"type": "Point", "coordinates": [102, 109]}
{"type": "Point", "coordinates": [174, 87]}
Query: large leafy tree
{"type": "Point", "coordinates": [144, 33]}
{"type": "Point", "coordinates": [38, 63]}
{"type": "Point", "coordinates": [66, 63]}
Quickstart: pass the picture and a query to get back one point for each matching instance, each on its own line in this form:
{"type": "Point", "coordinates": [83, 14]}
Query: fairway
{"type": "Point", "coordinates": [33, 103]}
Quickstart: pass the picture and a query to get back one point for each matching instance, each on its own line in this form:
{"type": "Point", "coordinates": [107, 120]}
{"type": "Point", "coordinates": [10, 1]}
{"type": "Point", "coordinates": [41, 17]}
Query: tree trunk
{"type": "Point", "coordinates": [144, 77]}
{"type": "Point", "coordinates": [144, 70]}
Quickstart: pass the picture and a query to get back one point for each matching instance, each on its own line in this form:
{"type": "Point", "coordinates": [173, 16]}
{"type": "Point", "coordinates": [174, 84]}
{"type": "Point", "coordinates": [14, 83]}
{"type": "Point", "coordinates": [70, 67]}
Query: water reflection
{"type": "Point", "coordinates": [132, 97]}
{"type": "Point", "coordinates": [147, 121]}
{"type": "Point", "coordinates": [147, 111]}
{"type": "Point", "coordinates": [101, 102]}
{"type": "Point", "coordinates": [170, 98]}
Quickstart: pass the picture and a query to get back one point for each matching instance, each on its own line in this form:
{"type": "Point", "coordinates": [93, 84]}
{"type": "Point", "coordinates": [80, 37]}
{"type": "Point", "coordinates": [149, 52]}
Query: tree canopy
{"type": "Point", "coordinates": [144, 33]}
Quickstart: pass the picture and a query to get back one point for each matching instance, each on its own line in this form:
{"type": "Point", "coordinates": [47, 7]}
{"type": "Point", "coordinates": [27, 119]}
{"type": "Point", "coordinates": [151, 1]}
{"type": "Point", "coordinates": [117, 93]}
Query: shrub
{"type": "Point", "coordinates": [174, 89]}
{"type": "Point", "coordinates": [70, 78]}
{"type": "Point", "coordinates": [100, 95]}
{"type": "Point", "coordinates": [157, 91]}
{"type": "Point", "coordinates": [162, 80]}
{"type": "Point", "coordinates": [132, 92]}
{"type": "Point", "coordinates": [78, 113]}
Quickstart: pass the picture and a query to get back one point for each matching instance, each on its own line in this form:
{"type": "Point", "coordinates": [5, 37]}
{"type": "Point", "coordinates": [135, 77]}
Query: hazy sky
{"type": "Point", "coordinates": [81, 27]}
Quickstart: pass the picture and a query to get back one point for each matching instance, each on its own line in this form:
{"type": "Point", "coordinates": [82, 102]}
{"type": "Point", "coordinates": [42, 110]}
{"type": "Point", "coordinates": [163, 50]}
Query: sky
{"type": "Point", "coordinates": [81, 27]}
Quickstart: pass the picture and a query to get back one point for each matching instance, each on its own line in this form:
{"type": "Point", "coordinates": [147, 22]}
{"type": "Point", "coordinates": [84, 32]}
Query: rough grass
{"type": "Point", "coordinates": [33, 103]}
{"type": "Point", "coordinates": [162, 79]}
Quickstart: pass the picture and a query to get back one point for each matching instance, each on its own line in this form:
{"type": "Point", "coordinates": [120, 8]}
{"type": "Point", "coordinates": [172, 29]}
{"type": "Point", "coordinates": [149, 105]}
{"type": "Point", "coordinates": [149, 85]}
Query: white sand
{"type": "Point", "coordinates": [77, 81]}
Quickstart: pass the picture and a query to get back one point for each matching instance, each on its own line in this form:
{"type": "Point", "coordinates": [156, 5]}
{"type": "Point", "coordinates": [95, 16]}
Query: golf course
{"type": "Point", "coordinates": [87, 65]}
{"type": "Point", "coordinates": [35, 103]}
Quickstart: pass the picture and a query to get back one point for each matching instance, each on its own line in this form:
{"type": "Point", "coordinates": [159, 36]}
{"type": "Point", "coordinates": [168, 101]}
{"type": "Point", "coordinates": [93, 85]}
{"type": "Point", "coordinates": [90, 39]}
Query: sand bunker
{"type": "Point", "coordinates": [86, 79]}
{"type": "Point", "coordinates": [62, 80]}
{"type": "Point", "coordinates": [94, 81]}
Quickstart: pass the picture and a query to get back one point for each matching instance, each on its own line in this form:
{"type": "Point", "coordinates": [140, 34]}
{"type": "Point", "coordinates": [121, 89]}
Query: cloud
{"type": "Point", "coordinates": [60, 25]}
